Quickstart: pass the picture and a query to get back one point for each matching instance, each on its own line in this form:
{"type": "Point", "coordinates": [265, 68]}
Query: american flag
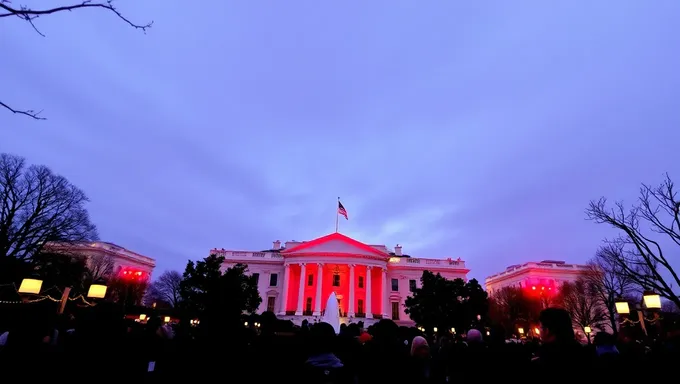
{"type": "Point", "coordinates": [342, 210]}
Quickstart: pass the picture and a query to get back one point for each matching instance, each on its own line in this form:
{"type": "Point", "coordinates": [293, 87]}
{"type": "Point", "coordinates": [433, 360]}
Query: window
{"type": "Point", "coordinates": [360, 306]}
{"type": "Point", "coordinates": [256, 276]}
{"type": "Point", "coordinates": [271, 303]}
{"type": "Point", "coordinates": [412, 285]}
{"type": "Point", "coordinates": [273, 279]}
{"type": "Point", "coordinates": [310, 280]}
{"type": "Point", "coordinates": [336, 280]}
{"type": "Point", "coordinates": [308, 305]}
{"type": "Point", "coordinates": [395, 310]}
{"type": "Point", "coordinates": [361, 281]}
{"type": "Point", "coordinates": [395, 285]}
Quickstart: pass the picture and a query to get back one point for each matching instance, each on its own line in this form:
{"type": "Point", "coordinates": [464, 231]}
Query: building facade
{"type": "Point", "coordinates": [370, 281]}
{"type": "Point", "coordinates": [108, 259]}
{"type": "Point", "coordinates": [543, 276]}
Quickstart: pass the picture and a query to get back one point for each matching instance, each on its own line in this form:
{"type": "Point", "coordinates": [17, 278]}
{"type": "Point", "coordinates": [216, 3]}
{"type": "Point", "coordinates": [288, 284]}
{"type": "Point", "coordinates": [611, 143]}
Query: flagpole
{"type": "Point", "coordinates": [337, 215]}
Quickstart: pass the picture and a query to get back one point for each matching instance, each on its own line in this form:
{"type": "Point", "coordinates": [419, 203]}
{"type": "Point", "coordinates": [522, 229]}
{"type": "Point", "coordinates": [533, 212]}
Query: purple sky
{"type": "Point", "coordinates": [474, 131]}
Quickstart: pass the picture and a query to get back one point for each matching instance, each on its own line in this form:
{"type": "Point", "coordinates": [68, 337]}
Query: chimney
{"type": "Point", "coordinates": [277, 245]}
{"type": "Point", "coordinates": [397, 250]}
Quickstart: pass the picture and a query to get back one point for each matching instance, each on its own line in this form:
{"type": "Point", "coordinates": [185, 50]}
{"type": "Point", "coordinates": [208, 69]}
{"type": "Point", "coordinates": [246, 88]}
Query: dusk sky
{"type": "Point", "coordinates": [478, 130]}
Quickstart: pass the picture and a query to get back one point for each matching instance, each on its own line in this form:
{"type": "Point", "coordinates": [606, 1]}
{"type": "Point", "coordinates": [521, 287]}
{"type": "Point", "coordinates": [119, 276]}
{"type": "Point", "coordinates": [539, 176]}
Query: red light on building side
{"type": "Point", "coordinates": [132, 274]}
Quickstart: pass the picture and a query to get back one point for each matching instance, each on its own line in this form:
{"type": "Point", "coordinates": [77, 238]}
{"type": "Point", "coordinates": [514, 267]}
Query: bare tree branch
{"type": "Point", "coordinates": [29, 113]}
{"type": "Point", "coordinates": [100, 266]}
{"type": "Point", "coordinates": [166, 289]}
{"type": "Point", "coordinates": [30, 15]}
{"type": "Point", "coordinates": [635, 255]}
{"type": "Point", "coordinates": [582, 302]}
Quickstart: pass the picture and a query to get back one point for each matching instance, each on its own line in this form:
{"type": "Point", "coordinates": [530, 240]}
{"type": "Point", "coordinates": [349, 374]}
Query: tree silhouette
{"type": "Point", "coordinates": [166, 289]}
{"type": "Point", "coordinates": [218, 298]}
{"type": "Point", "coordinates": [37, 207]}
{"type": "Point", "coordinates": [446, 303]}
{"type": "Point", "coordinates": [635, 254]}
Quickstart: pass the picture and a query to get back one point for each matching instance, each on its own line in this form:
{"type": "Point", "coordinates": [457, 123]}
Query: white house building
{"type": "Point", "coordinates": [370, 281]}
{"type": "Point", "coordinates": [544, 276]}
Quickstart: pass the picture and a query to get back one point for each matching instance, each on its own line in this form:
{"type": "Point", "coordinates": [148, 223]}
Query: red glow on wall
{"type": "Point", "coordinates": [133, 274]}
{"type": "Point", "coordinates": [540, 289]}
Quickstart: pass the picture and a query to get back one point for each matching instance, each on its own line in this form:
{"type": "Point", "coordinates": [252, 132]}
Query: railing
{"type": "Point", "coordinates": [246, 255]}
{"type": "Point", "coordinates": [443, 263]}
{"type": "Point", "coordinates": [117, 250]}
{"type": "Point", "coordinates": [530, 265]}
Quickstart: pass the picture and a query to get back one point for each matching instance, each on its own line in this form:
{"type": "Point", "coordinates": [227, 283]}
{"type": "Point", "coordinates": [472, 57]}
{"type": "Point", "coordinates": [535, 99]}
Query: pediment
{"type": "Point", "coordinates": [335, 244]}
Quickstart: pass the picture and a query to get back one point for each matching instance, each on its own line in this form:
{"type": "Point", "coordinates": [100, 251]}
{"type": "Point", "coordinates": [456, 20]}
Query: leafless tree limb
{"type": "Point", "coordinates": [581, 300]}
{"type": "Point", "coordinates": [637, 256]}
{"type": "Point", "coordinates": [608, 280]}
{"type": "Point", "coordinates": [166, 289]}
{"type": "Point", "coordinates": [29, 113]}
{"type": "Point", "coordinates": [30, 15]}
{"type": "Point", "coordinates": [100, 267]}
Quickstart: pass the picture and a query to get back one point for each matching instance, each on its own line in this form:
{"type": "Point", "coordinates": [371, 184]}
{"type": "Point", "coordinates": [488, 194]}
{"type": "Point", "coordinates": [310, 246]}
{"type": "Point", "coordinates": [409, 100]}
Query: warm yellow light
{"type": "Point", "coordinates": [246, 323]}
{"type": "Point", "coordinates": [520, 330]}
{"type": "Point", "coordinates": [652, 300]}
{"type": "Point", "coordinates": [142, 317]}
{"type": "Point", "coordinates": [538, 331]}
{"type": "Point", "coordinates": [622, 308]}
{"type": "Point", "coordinates": [453, 330]}
{"type": "Point", "coordinates": [167, 319]}
{"type": "Point", "coordinates": [587, 329]}
{"type": "Point", "coordinates": [30, 286]}
{"type": "Point", "coordinates": [434, 329]}
{"type": "Point", "coordinates": [97, 291]}
{"type": "Point", "coordinates": [395, 259]}
{"type": "Point", "coordinates": [488, 333]}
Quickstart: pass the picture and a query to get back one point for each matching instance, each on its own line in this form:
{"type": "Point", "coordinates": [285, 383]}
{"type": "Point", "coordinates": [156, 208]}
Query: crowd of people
{"type": "Point", "coordinates": [97, 347]}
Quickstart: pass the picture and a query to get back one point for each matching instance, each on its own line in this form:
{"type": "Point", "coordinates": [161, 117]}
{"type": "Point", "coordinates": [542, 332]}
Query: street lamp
{"type": "Point", "coordinates": [30, 286]}
{"type": "Point", "coordinates": [434, 329]}
{"type": "Point", "coordinates": [520, 330]}
{"type": "Point", "coordinates": [652, 300]}
{"type": "Point", "coordinates": [622, 307]}
{"type": "Point", "coordinates": [587, 330]}
{"type": "Point", "coordinates": [97, 291]}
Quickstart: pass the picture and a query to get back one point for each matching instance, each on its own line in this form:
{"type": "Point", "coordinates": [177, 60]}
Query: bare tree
{"type": "Point", "coordinates": [100, 267]}
{"type": "Point", "coordinates": [512, 306]}
{"type": "Point", "coordinates": [642, 259]}
{"type": "Point", "coordinates": [608, 280]}
{"type": "Point", "coordinates": [36, 207]}
{"type": "Point", "coordinates": [166, 289]}
{"type": "Point", "coordinates": [30, 15]}
{"type": "Point", "coordinates": [581, 300]}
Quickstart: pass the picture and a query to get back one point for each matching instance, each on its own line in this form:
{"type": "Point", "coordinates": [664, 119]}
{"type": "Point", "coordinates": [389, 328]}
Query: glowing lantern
{"type": "Point", "coordinates": [488, 333]}
{"type": "Point", "coordinates": [622, 307]}
{"type": "Point", "coordinates": [167, 319]}
{"type": "Point", "coordinates": [246, 323]}
{"type": "Point", "coordinates": [97, 291]}
{"type": "Point", "coordinates": [520, 330]}
{"type": "Point", "coordinates": [453, 330]}
{"type": "Point", "coordinates": [434, 329]}
{"type": "Point", "coordinates": [587, 330]}
{"type": "Point", "coordinates": [538, 331]}
{"type": "Point", "coordinates": [142, 317]}
{"type": "Point", "coordinates": [30, 286]}
{"type": "Point", "coordinates": [652, 300]}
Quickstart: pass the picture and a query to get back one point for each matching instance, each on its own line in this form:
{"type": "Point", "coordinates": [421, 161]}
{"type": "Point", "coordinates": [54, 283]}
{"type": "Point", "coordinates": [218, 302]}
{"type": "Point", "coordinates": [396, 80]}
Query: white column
{"type": "Point", "coordinates": [385, 295]}
{"type": "Point", "coordinates": [369, 311]}
{"type": "Point", "coordinates": [350, 309]}
{"type": "Point", "coordinates": [319, 282]}
{"type": "Point", "coordinates": [301, 291]}
{"type": "Point", "coordinates": [284, 295]}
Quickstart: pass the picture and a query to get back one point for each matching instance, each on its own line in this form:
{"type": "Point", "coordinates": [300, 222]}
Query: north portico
{"type": "Point", "coordinates": [370, 281]}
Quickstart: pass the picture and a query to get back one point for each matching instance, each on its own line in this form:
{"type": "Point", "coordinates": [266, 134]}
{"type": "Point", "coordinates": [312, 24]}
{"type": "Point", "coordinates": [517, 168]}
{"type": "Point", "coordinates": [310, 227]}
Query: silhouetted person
{"type": "Point", "coordinates": [560, 351]}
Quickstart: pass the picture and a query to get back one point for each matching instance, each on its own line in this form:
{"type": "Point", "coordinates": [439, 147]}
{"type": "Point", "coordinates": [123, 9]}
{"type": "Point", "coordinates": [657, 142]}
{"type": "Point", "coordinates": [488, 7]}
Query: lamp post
{"type": "Point", "coordinates": [587, 330]}
{"type": "Point", "coordinates": [30, 286]}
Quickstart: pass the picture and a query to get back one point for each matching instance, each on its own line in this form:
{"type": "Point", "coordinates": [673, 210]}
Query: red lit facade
{"type": "Point", "coordinates": [127, 265]}
{"type": "Point", "coordinates": [370, 281]}
{"type": "Point", "coordinates": [537, 278]}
